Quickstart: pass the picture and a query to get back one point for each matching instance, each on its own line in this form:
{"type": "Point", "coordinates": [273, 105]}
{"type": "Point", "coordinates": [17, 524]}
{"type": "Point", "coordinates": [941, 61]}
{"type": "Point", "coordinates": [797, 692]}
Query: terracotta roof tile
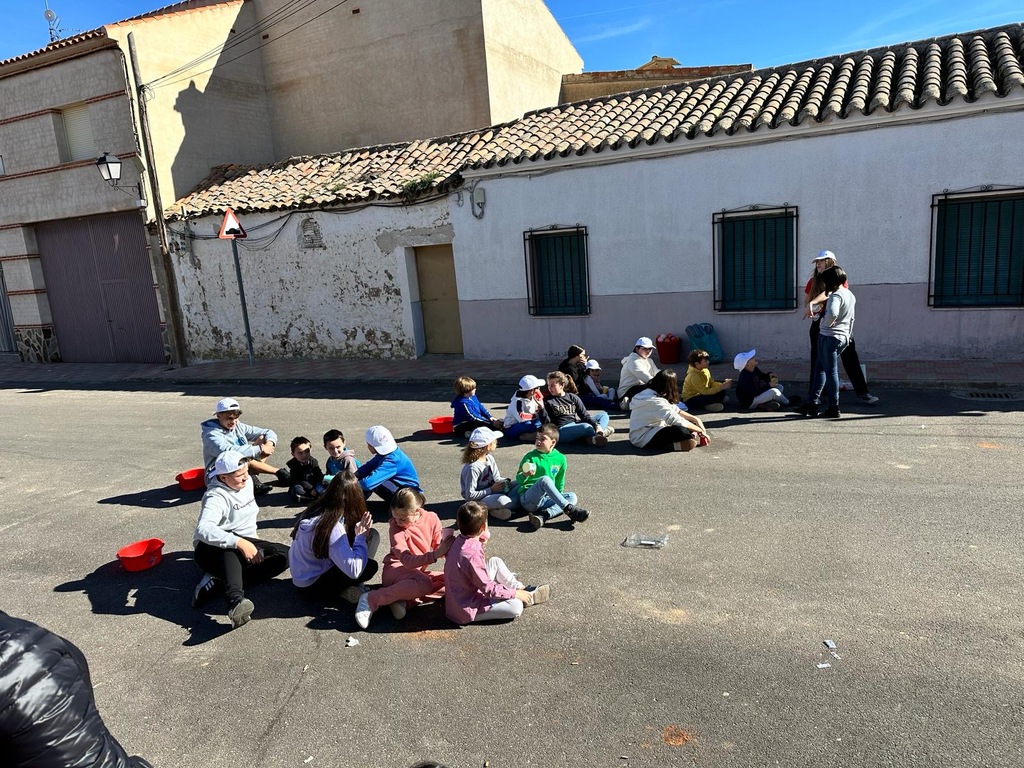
{"type": "Point", "coordinates": [941, 71]}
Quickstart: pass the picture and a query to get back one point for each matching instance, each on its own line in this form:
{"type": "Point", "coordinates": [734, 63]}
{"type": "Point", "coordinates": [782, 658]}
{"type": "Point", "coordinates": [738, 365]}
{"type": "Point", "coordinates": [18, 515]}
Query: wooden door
{"type": "Point", "coordinates": [439, 299]}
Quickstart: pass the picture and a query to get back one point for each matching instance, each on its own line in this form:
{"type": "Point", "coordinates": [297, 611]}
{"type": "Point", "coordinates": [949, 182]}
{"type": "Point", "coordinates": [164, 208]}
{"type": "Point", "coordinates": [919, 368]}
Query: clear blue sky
{"type": "Point", "coordinates": [623, 34]}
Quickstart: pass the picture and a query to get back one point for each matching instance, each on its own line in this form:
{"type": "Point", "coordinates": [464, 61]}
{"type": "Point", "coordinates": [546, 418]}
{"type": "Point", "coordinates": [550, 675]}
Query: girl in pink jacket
{"type": "Point", "coordinates": [479, 588]}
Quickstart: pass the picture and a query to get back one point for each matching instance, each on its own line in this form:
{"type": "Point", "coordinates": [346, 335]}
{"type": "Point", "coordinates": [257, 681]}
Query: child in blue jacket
{"type": "Point", "coordinates": [389, 469]}
{"type": "Point", "coordinates": [470, 413]}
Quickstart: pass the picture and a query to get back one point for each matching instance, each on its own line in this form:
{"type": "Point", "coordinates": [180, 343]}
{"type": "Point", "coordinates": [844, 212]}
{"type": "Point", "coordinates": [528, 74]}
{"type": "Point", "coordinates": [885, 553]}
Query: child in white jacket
{"type": "Point", "coordinates": [657, 424]}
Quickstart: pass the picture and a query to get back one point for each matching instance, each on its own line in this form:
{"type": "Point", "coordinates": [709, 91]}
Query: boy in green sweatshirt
{"type": "Point", "coordinates": [541, 482]}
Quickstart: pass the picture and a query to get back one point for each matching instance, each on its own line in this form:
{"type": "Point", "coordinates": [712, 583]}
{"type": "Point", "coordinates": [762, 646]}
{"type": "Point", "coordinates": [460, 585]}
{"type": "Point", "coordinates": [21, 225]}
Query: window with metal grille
{"type": "Point", "coordinates": [978, 250]}
{"type": "Point", "coordinates": [755, 259]}
{"type": "Point", "coordinates": [557, 272]}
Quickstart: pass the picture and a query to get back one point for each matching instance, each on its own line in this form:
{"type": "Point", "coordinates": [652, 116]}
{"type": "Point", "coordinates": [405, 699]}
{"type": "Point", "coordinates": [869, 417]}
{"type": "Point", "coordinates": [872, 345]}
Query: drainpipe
{"type": "Point", "coordinates": [174, 327]}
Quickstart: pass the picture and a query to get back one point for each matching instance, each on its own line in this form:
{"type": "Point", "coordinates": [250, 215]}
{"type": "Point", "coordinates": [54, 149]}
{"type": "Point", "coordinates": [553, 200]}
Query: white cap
{"type": "Point", "coordinates": [482, 436]}
{"type": "Point", "coordinates": [381, 439]}
{"type": "Point", "coordinates": [824, 255]}
{"type": "Point", "coordinates": [228, 462]}
{"type": "Point", "coordinates": [227, 404]}
{"type": "Point", "coordinates": [593, 364]}
{"type": "Point", "coordinates": [740, 361]}
{"type": "Point", "coordinates": [529, 381]}
{"type": "Point", "coordinates": [644, 342]}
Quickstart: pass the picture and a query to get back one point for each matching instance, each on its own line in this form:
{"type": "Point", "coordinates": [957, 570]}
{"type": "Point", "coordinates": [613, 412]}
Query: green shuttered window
{"type": "Point", "coordinates": [978, 251]}
{"type": "Point", "coordinates": [755, 260]}
{"type": "Point", "coordinates": [557, 272]}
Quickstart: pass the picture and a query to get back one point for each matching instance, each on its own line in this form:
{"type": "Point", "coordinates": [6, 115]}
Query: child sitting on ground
{"type": "Point", "coordinates": [307, 479]}
{"type": "Point", "coordinates": [541, 482]}
{"type": "Point", "coordinates": [339, 457]}
{"type": "Point", "coordinates": [700, 390]}
{"type": "Point", "coordinates": [481, 480]}
{"type": "Point", "coordinates": [477, 589]}
{"type": "Point", "coordinates": [567, 412]}
{"type": "Point", "coordinates": [389, 469]}
{"type": "Point", "coordinates": [417, 542]}
{"type": "Point", "coordinates": [593, 394]}
{"type": "Point", "coordinates": [470, 413]}
{"type": "Point", "coordinates": [755, 388]}
{"type": "Point", "coordinates": [522, 417]}
{"type": "Point", "coordinates": [335, 542]}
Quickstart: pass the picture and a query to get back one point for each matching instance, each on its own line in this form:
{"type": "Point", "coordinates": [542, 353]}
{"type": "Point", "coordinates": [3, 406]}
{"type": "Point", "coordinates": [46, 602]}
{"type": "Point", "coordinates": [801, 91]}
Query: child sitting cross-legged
{"type": "Point", "coordinates": [481, 480]}
{"type": "Point", "coordinates": [469, 412]}
{"type": "Point", "coordinates": [541, 482]}
{"type": "Point", "coordinates": [417, 542]}
{"type": "Point", "coordinates": [522, 417]}
{"type": "Point", "coordinates": [479, 588]}
{"type": "Point", "coordinates": [335, 542]}
{"type": "Point", "coordinates": [307, 479]}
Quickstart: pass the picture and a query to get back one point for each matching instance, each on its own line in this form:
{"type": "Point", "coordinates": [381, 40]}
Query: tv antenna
{"type": "Point", "coordinates": [53, 20]}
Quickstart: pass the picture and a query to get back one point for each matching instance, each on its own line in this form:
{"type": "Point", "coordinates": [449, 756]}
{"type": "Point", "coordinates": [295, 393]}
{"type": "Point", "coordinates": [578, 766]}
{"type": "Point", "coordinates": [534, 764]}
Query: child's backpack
{"type": "Point", "coordinates": [702, 336]}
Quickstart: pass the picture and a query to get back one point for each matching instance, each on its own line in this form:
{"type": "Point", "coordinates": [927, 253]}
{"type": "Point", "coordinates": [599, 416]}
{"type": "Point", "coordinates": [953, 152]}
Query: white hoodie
{"type": "Point", "coordinates": [635, 370]}
{"type": "Point", "coordinates": [226, 515]}
{"type": "Point", "coordinates": [651, 412]}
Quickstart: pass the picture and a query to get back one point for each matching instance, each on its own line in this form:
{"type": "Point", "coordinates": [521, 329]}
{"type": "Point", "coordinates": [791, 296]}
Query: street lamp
{"type": "Point", "coordinates": [110, 169]}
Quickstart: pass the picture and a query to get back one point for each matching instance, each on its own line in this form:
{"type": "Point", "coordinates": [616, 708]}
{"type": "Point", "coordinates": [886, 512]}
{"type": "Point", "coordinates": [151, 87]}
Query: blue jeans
{"type": "Point", "coordinates": [826, 370]}
{"type": "Point", "coordinates": [542, 496]}
{"type": "Point", "coordinates": [516, 430]}
{"type": "Point", "coordinates": [598, 401]}
{"type": "Point", "coordinates": [580, 430]}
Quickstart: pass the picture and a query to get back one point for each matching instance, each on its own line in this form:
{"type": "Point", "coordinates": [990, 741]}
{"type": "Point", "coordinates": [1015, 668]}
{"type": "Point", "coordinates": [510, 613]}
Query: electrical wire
{"type": "Point", "coordinates": [270, 21]}
{"type": "Point", "coordinates": [258, 47]}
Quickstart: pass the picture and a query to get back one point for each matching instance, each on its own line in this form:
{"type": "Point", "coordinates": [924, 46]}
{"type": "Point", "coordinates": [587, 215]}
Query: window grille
{"type": "Point", "coordinates": [755, 259]}
{"type": "Point", "coordinates": [557, 271]}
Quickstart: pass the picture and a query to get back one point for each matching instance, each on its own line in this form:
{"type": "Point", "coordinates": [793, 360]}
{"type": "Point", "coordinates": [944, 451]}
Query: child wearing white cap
{"type": "Point", "coordinates": [637, 369]}
{"type": "Point", "coordinates": [225, 542]}
{"type": "Point", "coordinates": [593, 394]}
{"type": "Point", "coordinates": [755, 388]}
{"type": "Point", "coordinates": [481, 481]}
{"type": "Point", "coordinates": [224, 432]}
{"type": "Point", "coordinates": [522, 417]}
{"type": "Point", "coordinates": [389, 469]}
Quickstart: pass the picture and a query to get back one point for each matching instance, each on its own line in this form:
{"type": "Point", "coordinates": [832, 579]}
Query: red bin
{"type": "Point", "coordinates": [670, 351]}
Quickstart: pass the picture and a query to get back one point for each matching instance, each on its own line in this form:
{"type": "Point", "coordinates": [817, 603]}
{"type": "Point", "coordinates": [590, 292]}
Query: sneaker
{"type": "Point", "coordinates": [772, 405]}
{"type": "Point", "coordinates": [500, 514]}
{"type": "Point", "coordinates": [539, 594]}
{"type": "Point", "coordinates": [536, 520]}
{"type": "Point", "coordinates": [284, 478]}
{"type": "Point", "coordinates": [206, 587]}
{"type": "Point", "coordinates": [714, 407]}
{"type": "Point", "coordinates": [259, 488]}
{"type": "Point", "coordinates": [609, 431]}
{"type": "Point", "coordinates": [599, 440]}
{"type": "Point", "coordinates": [868, 398]}
{"type": "Point", "coordinates": [353, 593]}
{"type": "Point", "coordinates": [363, 612]}
{"type": "Point", "coordinates": [832, 412]}
{"type": "Point", "coordinates": [808, 409]}
{"type": "Point", "coordinates": [576, 514]}
{"type": "Point", "coordinates": [241, 612]}
{"type": "Point", "coordinates": [399, 609]}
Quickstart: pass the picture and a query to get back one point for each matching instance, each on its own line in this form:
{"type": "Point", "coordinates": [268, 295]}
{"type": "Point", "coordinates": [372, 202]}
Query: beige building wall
{"type": "Point", "coordinates": [527, 55]}
{"type": "Point", "coordinates": [212, 112]}
{"type": "Point", "coordinates": [395, 70]}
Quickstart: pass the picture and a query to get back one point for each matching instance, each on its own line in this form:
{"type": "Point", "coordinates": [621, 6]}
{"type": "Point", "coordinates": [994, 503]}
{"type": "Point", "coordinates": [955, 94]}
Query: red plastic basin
{"type": "Point", "coordinates": [442, 425]}
{"type": "Point", "coordinates": [191, 479]}
{"type": "Point", "coordinates": [141, 555]}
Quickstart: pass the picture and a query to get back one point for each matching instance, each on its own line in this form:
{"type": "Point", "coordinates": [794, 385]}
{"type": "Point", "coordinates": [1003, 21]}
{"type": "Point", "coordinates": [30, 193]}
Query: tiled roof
{"type": "Point", "coordinates": [181, 7]}
{"type": "Point", "coordinates": [392, 172]}
{"type": "Point", "coordinates": [55, 46]}
{"type": "Point", "coordinates": [943, 71]}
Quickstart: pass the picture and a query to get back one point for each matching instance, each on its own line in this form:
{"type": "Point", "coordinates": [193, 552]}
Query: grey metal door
{"type": "Point", "coordinates": [100, 288]}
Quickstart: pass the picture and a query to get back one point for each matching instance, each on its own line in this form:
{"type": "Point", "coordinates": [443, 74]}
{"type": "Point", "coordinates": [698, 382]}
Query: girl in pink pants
{"type": "Point", "coordinates": [417, 542]}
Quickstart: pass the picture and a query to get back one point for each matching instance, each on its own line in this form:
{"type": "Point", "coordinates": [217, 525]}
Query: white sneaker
{"type": "Point", "coordinates": [609, 431]}
{"type": "Point", "coordinates": [363, 612]}
{"type": "Point", "coordinates": [868, 398]}
{"type": "Point", "coordinates": [714, 407]}
{"type": "Point", "coordinates": [399, 609]}
{"type": "Point", "coordinates": [241, 613]}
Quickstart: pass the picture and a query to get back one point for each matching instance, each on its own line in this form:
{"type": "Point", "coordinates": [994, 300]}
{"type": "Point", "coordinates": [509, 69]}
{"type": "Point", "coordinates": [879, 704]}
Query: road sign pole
{"type": "Point", "coordinates": [241, 295]}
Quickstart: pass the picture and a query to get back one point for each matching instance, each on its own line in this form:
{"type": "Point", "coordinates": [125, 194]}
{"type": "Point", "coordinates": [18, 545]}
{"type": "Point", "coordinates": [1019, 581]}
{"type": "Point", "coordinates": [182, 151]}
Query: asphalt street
{"type": "Point", "coordinates": [893, 532]}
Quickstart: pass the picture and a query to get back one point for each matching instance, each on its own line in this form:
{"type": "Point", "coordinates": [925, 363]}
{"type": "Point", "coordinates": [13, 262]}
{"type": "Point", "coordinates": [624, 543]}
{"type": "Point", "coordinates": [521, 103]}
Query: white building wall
{"type": "Point", "coordinates": [865, 195]}
{"type": "Point", "coordinates": [353, 298]}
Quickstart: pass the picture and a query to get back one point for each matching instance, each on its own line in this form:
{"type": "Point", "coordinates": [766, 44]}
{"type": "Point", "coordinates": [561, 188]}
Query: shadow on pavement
{"type": "Point", "coordinates": [156, 498]}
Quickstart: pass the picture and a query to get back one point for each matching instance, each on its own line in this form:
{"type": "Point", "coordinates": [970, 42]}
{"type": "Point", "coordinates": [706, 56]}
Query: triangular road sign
{"type": "Point", "coordinates": [231, 227]}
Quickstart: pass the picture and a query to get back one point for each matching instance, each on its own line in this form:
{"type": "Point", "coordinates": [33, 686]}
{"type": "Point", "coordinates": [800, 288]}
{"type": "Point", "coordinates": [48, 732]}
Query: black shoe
{"type": "Point", "coordinates": [576, 514]}
{"type": "Point", "coordinates": [206, 587]}
{"type": "Point", "coordinates": [832, 413]}
{"type": "Point", "coordinates": [240, 613]}
{"type": "Point", "coordinates": [810, 410]}
{"type": "Point", "coordinates": [284, 478]}
{"type": "Point", "coordinates": [259, 488]}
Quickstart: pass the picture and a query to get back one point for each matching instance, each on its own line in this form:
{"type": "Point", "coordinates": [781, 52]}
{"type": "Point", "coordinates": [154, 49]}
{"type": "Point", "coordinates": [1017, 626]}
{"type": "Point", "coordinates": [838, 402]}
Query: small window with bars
{"type": "Point", "coordinates": [557, 271]}
{"type": "Point", "coordinates": [755, 259]}
{"type": "Point", "coordinates": [977, 250]}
